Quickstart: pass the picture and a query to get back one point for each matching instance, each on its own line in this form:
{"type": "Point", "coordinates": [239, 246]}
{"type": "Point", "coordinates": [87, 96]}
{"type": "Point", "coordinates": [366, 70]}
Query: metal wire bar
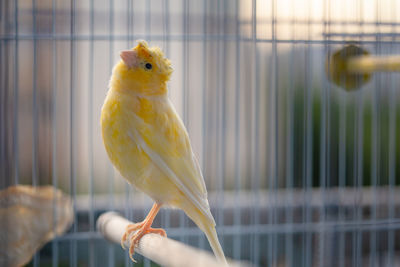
{"type": "Point", "coordinates": [342, 173]}
{"type": "Point", "coordinates": [346, 200]}
{"type": "Point", "coordinates": [166, 218]}
{"type": "Point", "coordinates": [34, 103]}
{"type": "Point", "coordinates": [130, 31]}
{"type": "Point", "coordinates": [54, 158]}
{"type": "Point", "coordinates": [289, 179]}
{"type": "Point", "coordinates": [91, 255]}
{"type": "Point", "coordinates": [190, 38]}
{"type": "Point", "coordinates": [237, 244]}
{"type": "Point", "coordinates": [274, 126]}
{"type": "Point", "coordinates": [111, 254]}
{"type": "Point", "coordinates": [324, 146]}
{"type": "Point", "coordinates": [202, 242]}
{"type": "Point", "coordinates": [287, 20]}
{"type": "Point", "coordinates": [262, 229]}
{"type": "Point", "coordinates": [357, 241]}
{"type": "Point", "coordinates": [221, 102]}
{"type": "Point", "coordinates": [2, 108]}
{"type": "Point", "coordinates": [358, 35]}
{"type": "Point", "coordinates": [35, 118]}
{"type": "Point", "coordinates": [375, 153]}
{"type": "Point", "coordinates": [73, 243]}
{"type": "Point", "coordinates": [2, 152]}
{"type": "Point", "coordinates": [148, 31]}
{"type": "Point", "coordinates": [308, 149]}
{"type": "Point", "coordinates": [148, 20]}
{"type": "Point", "coordinates": [183, 221]}
{"type": "Point", "coordinates": [359, 176]}
{"type": "Point", "coordinates": [392, 155]}
{"type": "Point", "coordinates": [16, 97]}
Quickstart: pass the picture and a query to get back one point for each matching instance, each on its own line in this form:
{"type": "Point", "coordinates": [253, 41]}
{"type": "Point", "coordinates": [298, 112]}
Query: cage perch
{"type": "Point", "coordinates": [164, 251]}
{"type": "Point", "coordinates": [352, 66]}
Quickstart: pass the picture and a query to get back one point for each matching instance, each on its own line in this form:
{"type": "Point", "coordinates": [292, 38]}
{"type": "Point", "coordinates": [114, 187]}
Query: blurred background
{"type": "Point", "coordinates": [300, 172]}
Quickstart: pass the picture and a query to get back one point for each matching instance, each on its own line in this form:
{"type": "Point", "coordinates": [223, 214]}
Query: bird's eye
{"type": "Point", "coordinates": [148, 66]}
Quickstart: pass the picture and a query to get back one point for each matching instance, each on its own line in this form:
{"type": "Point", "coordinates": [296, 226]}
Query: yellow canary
{"type": "Point", "coordinates": [148, 144]}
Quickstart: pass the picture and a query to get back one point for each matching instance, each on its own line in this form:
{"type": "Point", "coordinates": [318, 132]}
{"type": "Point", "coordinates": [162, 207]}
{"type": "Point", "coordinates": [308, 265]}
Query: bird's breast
{"type": "Point", "coordinates": [123, 150]}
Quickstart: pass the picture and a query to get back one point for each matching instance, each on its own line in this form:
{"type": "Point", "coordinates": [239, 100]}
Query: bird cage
{"type": "Point", "coordinates": [301, 161]}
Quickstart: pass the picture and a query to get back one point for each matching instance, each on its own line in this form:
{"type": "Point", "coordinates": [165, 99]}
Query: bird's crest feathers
{"type": "Point", "coordinates": [154, 55]}
{"type": "Point", "coordinates": [143, 70]}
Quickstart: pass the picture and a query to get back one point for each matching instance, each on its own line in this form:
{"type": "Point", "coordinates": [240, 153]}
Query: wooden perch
{"type": "Point", "coordinates": [368, 64]}
{"type": "Point", "coordinates": [352, 66]}
{"type": "Point", "coordinates": [164, 251]}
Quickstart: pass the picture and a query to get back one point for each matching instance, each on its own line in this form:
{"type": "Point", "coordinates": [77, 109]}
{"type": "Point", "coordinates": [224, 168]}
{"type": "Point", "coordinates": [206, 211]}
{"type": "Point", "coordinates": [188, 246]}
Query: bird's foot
{"type": "Point", "coordinates": [141, 229]}
{"type": "Point", "coordinates": [129, 229]}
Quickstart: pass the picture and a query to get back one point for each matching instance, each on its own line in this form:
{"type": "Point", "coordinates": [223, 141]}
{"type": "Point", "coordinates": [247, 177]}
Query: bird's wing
{"type": "Point", "coordinates": [167, 144]}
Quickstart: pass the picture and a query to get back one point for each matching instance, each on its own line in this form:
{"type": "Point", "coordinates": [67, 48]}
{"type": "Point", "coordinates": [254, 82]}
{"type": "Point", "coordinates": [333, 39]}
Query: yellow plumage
{"type": "Point", "coordinates": [147, 141]}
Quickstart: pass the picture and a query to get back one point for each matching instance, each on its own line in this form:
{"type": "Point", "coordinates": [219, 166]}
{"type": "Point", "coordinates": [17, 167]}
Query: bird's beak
{"type": "Point", "coordinates": [130, 58]}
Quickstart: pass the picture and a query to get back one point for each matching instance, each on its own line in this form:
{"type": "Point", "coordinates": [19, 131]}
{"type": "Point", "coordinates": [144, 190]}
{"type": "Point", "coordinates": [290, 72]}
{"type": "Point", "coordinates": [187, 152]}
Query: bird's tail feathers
{"type": "Point", "coordinates": [212, 237]}
{"type": "Point", "coordinates": [208, 227]}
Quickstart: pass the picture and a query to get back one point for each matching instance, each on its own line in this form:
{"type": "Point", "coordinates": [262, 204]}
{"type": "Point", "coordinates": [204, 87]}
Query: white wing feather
{"type": "Point", "coordinates": [190, 169]}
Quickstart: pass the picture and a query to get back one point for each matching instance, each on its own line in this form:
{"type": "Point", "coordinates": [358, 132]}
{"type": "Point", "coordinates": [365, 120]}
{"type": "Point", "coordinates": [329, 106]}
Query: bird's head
{"type": "Point", "coordinates": [143, 68]}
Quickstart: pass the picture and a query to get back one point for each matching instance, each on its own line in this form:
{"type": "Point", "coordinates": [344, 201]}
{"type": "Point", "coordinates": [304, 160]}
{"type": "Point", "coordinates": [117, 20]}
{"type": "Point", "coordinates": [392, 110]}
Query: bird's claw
{"type": "Point", "coordinates": [141, 229]}
{"type": "Point", "coordinates": [158, 231]}
{"type": "Point", "coordinates": [129, 229]}
{"type": "Point", "coordinates": [134, 242]}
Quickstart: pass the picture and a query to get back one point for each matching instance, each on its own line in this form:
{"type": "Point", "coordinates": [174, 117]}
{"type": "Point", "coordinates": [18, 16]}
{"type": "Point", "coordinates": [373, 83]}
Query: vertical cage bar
{"type": "Point", "coordinates": [111, 191]}
{"type": "Point", "coordinates": [146, 261]}
{"type": "Point", "coordinates": [54, 131]}
{"type": "Point", "coordinates": [73, 243]}
{"type": "Point", "coordinates": [5, 100]}
{"type": "Point", "coordinates": [289, 179]}
{"type": "Point", "coordinates": [273, 123]}
{"type": "Point", "coordinates": [185, 93]}
{"type": "Point", "coordinates": [204, 98]}
{"type": "Point", "coordinates": [166, 30]}
{"type": "Point", "coordinates": [221, 103]}
{"type": "Point", "coordinates": [35, 119]}
{"type": "Point", "coordinates": [375, 176]}
{"type": "Point", "coordinates": [255, 175]}
{"type": "Point", "coordinates": [342, 176]}
{"type": "Point", "coordinates": [34, 101]}
{"type": "Point", "coordinates": [2, 151]}
{"type": "Point", "coordinates": [148, 35]}
{"type": "Point", "coordinates": [128, 189]}
{"type": "Point", "coordinates": [357, 243]}
{"type": "Point", "coordinates": [2, 114]}
{"type": "Point", "coordinates": [90, 133]}
{"type": "Point", "coordinates": [392, 151]}
{"type": "Point", "coordinates": [392, 169]}
{"type": "Point", "coordinates": [166, 215]}
{"type": "Point", "coordinates": [342, 162]}
{"type": "Point", "coordinates": [237, 241]}
{"type": "Point", "coordinates": [308, 142]}
{"type": "Point", "coordinates": [324, 146]}
{"type": "Point", "coordinates": [16, 95]}
{"type": "Point", "coordinates": [305, 216]}
{"type": "Point", "coordinates": [183, 221]}
{"type": "Point", "coordinates": [3, 119]}
{"type": "Point", "coordinates": [274, 126]}
{"type": "Point", "coordinates": [148, 20]}
{"type": "Point", "coordinates": [374, 170]}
